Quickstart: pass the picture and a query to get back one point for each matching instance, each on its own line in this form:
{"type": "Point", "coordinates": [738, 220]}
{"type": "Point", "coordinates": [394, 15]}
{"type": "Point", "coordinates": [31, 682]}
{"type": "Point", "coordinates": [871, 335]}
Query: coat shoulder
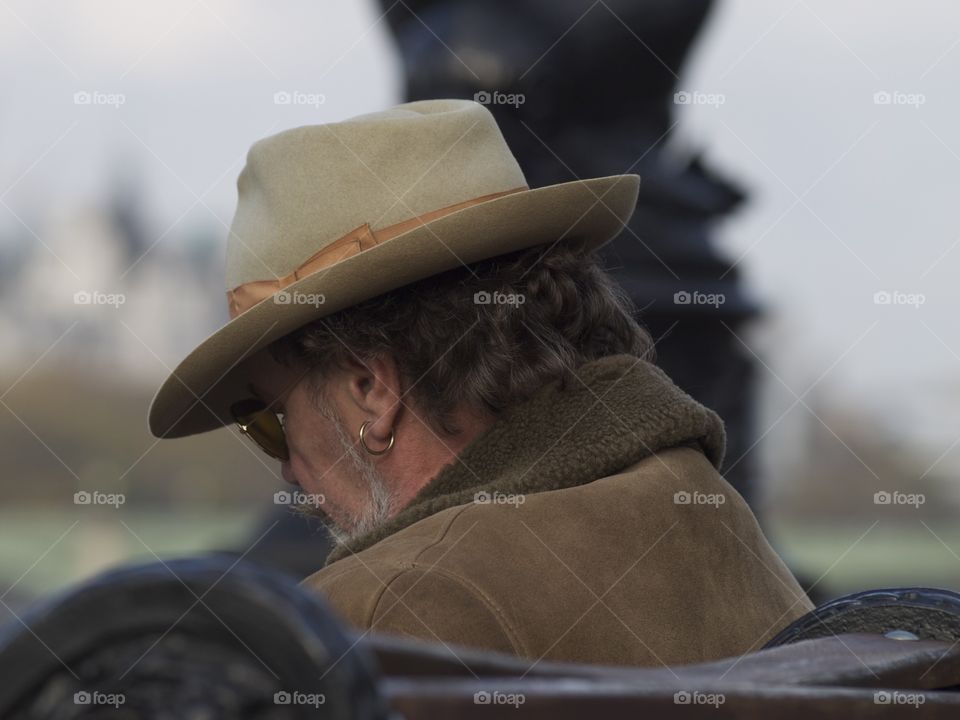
{"type": "Point", "coordinates": [395, 592]}
{"type": "Point", "coordinates": [662, 562]}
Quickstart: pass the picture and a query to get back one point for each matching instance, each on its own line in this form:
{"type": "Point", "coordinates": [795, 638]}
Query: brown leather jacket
{"type": "Point", "coordinates": [532, 546]}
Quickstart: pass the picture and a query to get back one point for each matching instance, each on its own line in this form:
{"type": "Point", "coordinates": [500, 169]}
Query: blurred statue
{"type": "Point", "coordinates": [585, 90]}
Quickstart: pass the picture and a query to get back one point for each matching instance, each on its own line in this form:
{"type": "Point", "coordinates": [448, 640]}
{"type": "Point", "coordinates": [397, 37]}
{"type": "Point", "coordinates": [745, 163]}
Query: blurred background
{"type": "Point", "coordinates": [829, 225]}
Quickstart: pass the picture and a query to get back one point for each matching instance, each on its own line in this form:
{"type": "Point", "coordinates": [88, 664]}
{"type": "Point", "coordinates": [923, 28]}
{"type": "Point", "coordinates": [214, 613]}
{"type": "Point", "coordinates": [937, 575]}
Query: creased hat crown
{"type": "Point", "coordinates": [301, 189]}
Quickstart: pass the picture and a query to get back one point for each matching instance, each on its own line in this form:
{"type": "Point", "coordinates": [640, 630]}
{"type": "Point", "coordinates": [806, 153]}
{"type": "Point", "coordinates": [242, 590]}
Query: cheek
{"type": "Point", "coordinates": [310, 439]}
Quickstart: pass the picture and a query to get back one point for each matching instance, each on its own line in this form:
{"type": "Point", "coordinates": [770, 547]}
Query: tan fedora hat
{"type": "Point", "coordinates": [331, 215]}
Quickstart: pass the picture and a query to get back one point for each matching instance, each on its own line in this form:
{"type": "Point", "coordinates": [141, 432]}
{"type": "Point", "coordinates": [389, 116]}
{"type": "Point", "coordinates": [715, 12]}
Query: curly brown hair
{"type": "Point", "coordinates": [484, 335]}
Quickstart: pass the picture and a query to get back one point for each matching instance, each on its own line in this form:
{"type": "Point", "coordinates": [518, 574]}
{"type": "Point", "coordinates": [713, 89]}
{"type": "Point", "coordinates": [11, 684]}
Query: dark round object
{"type": "Point", "coordinates": [204, 638]}
{"type": "Point", "coordinates": [926, 613]}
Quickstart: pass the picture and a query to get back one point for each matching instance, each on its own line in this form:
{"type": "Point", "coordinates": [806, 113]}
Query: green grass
{"type": "Point", "coordinates": [889, 554]}
{"type": "Point", "coordinates": [90, 542]}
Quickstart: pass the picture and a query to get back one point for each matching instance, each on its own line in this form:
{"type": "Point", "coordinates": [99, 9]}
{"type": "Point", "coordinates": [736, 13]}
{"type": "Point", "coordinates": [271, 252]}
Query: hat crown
{"type": "Point", "coordinates": [303, 188]}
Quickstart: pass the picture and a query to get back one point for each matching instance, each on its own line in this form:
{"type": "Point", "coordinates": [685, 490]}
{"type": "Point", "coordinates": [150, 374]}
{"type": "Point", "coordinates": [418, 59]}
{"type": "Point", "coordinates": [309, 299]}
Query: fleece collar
{"type": "Point", "coordinates": [616, 411]}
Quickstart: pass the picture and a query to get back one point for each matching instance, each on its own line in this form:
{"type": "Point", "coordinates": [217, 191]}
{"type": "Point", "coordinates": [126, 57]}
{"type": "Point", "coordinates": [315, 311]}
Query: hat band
{"type": "Point", "coordinates": [245, 296]}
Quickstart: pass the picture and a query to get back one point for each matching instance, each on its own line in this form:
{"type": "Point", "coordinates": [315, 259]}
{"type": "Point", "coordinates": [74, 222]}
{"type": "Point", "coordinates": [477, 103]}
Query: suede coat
{"type": "Point", "coordinates": [588, 524]}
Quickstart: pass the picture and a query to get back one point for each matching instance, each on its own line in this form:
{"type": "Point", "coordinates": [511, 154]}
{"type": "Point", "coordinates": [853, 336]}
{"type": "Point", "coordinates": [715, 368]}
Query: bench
{"type": "Point", "coordinates": [214, 637]}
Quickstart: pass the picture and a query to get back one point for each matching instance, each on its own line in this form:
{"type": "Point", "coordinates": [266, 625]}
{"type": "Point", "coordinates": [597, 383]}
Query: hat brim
{"type": "Point", "coordinates": [197, 395]}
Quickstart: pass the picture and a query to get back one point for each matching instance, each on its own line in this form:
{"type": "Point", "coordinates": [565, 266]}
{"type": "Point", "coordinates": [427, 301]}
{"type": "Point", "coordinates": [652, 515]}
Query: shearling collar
{"type": "Point", "coordinates": [618, 410]}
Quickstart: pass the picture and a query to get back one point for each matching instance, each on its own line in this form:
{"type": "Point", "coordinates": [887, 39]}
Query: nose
{"type": "Point", "coordinates": [287, 472]}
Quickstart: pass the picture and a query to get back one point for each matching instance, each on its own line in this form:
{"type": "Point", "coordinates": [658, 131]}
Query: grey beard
{"type": "Point", "coordinates": [377, 508]}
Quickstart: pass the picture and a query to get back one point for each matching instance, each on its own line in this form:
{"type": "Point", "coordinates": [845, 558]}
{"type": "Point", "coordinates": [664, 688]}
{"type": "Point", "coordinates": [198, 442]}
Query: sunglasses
{"type": "Point", "coordinates": [262, 425]}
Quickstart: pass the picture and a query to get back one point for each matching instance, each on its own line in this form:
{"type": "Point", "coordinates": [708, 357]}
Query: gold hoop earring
{"type": "Point", "coordinates": [363, 429]}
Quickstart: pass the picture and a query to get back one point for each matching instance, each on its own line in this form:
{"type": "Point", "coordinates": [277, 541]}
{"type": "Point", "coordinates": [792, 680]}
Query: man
{"type": "Point", "coordinates": [432, 352]}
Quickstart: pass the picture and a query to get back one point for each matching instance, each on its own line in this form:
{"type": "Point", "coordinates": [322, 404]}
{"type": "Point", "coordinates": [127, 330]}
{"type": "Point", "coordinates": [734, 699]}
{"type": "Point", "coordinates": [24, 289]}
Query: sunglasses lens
{"type": "Point", "coordinates": [262, 426]}
{"type": "Point", "coordinates": [267, 432]}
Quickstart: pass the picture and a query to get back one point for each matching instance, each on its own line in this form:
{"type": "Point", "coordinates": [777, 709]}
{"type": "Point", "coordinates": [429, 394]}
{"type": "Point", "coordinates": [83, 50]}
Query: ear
{"type": "Point", "coordinates": [374, 388]}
